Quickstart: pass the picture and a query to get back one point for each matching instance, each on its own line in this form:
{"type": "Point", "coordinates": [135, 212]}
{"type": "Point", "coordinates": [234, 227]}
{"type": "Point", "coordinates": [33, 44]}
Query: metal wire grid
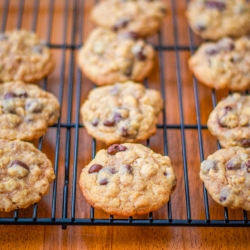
{"type": "Point", "coordinates": [64, 220]}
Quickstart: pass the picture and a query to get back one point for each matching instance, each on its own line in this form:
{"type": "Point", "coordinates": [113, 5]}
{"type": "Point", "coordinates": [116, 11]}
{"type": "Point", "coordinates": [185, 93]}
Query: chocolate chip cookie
{"type": "Point", "coordinates": [218, 18]}
{"type": "Point", "coordinates": [143, 17]}
{"type": "Point", "coordinates": [224, 64]}
{"type": "Point", "coordinates": [26, 174]}
{"type": "Point", "coordinates": [226, 175]}
{"type": "Point", "coordinates": [108, 57]}
{"type": "Point", "coordinates": [23, 57]}
{"type": "Point", "coordinates": [230, 121]}
{"type": "Point", "coordinates": [26, 111]}
{"type": "Point", "coordinates": [125, 112]}
{"type": "Point", "coordinates": [128, 179]}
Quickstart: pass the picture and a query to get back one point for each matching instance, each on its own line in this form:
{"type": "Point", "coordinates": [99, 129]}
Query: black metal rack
{"type": "Point", "coordinates": [72, 128]}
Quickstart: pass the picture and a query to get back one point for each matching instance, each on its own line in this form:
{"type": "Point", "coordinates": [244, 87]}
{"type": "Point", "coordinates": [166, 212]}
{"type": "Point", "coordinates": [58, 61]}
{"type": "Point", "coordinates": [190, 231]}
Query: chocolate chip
{"type": "Point", "coordinates": [131, 35]}
{"type": "Point", "coordinates": [212, 50]}
{"type": "Point", "coordinates": [113, 149]}
{"type": "Point", "coordinates": [129, 70]}
{"type": "Point", "coordinates": [34, 106]}
{"type": "Point", "coordinates": [215, 5]}
{"type": "Point", "coordinates": [121, 23]}
{"type": "Point", "coordinates": [230, 47]}
{"type": "Point", "coordinates": [233, 164]}
{"type": "Point", "coordinates": [125, 132]}
{"type": "Point", "coordinates": [104, 181]}
{"type": "Point", "coordinates": [247, 165]}
{"type": "Point", "coordinates": [128, 168]}
{"type": "Point", "coordinates": [165, 173]}
{"type": "Point", "coordinates": [245, 143]}
{"type": "Point", "coordinates": [38, 48]}
{"type": "Point", "coordinates": [117, 117]}
{"type": "Point", "coordinates": [11, 95]}
{"type": "Point", "coordinates": [228, 108]}
{"type": "Point", "coordinates": [19, 163]}
{"type": "Point", "coordinates": [201, 27]}
{"type": "Point", "coordinates": [226, 44]}
{"type": "Point", "coordinates": [94, 122]}
{"type": "Point", "coordinates": [140, 56]}
{"type": "Point", "coordinates": [109, 123]}
{"type": "Point", "coordinates": [113, 171]}
{"type": "Point", "coordinates": [23, 95]}
{"type": "Point", "coordinates": [222, 198]}
{"type": "Point", "coordinates": [95, 168]}
{"type": "Point", "coordinates": [139, 53]}
{"type": "Point", "coordinates": [225, 111]}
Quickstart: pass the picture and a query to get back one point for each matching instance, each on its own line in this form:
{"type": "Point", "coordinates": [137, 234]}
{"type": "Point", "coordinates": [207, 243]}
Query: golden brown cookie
{"type": "Point", "coordinates": [23, 57]}
{"type": "Point", "coordinates": [26, 174]}
{"type": "Point", "coordinates": [108, 57]}
{"type": "Point", "coordinates": [128, 179]}
{"type": "Point", "coordinates": [124, 112]}
{"type": "Point", "coordinates": [230, 121]}
{"type": "Point", "coordinates": [26, 111]}
{"type": "Point", "coordinates": [224, 64]}
{"type": "Point", "coordinates": [214, 19]}
{"type": "Point", "coordinates": [226, 175]}
{"type": "Point", "coordinates": [140, 16]}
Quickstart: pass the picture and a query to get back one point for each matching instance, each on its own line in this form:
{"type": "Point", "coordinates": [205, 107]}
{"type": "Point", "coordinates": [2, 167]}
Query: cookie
{"type": "Point", "coordinates": [26, 174]}
{"type": "Point", "coordinates": [230, 121]}
{"type": "Point", "coordinates": [224, 64]}
{"type": "Point", "coordinates": [26, 111]}
{"type": "Point", "coordinates": [219, 18]}
{"type": "Point", "coordinates": [140, 16]}
{"type": "Point", "coordinates": [128, 179]}
{"type": "Point", "coordinates": [23, 57]}
{"type": "Point", "coordinates": [226, 175]}
{"type": "Point", "coordinates": [108, 57]}
{"type": "Point", "coordinates": [125, 112]}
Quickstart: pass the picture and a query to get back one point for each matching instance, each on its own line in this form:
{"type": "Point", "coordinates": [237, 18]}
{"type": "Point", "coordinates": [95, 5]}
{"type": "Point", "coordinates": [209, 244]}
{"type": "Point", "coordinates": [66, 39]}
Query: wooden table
{"type": "Point", "coordinates": [184, 101]}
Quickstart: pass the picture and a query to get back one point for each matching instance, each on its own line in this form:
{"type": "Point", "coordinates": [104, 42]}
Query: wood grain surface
{"type": "Point", "coordinates": [59, 23]}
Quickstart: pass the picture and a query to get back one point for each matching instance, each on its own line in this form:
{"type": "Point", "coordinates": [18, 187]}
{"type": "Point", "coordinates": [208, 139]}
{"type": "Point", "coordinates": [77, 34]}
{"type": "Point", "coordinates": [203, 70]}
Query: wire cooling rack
{"type": "Point", "coordinates": [181, 132]}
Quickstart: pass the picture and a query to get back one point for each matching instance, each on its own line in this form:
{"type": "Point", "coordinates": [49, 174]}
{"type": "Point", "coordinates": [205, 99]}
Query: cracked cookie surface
{"type": "Point", "coordinates": [219, 18]}
{"type": "Point", "coordinates": [128, 179]}
{"type": "Point", "coordinates": [124, 112]}
{"type": "Point", "coordinates": [26, 174]}
{"type": "Point", "coordinates": [140, 16]}
{"type": "Point", "coordinates": [224, 64]}
{"type": "Point", "coordinates": [230, 121]}
{"type": "Point", "coordinates": [108, 57]}
{"type": "Point", "coordinates": [26, 111]}
{"type": "Point", "coordinates": [23, 57]}
{"type": "Point", "coordinates": [226, 175]}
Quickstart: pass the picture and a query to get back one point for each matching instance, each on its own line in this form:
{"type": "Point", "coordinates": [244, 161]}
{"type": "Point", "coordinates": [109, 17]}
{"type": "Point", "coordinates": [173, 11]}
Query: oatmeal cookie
{"type": "Point", "coordinates": [224, 64]}
{"type": "Point", "coordinates": [23, 57]}
{"type": "Point", "coordinates": [140, 16]}
{"type": "Point", "coordinates": [125, 112]}
{"type": "Point", "coordinates": [26, 111]}
{"type": "Point", "coordinates": [219, 18]}
{"type": "Point", "coordinates": [108, 57]}
{"type": "Point", "coordinates": [226, 175]}
{"type": "Point", "coordinates": [26, 174]}
{"type": "Point", "coordinates": [230, 121]}
{"type": "Point", "coordinates": [128, 179]}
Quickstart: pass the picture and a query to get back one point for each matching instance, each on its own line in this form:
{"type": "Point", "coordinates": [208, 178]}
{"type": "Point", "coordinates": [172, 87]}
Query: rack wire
{"type": "Point", "coordinates": [64, 194]}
